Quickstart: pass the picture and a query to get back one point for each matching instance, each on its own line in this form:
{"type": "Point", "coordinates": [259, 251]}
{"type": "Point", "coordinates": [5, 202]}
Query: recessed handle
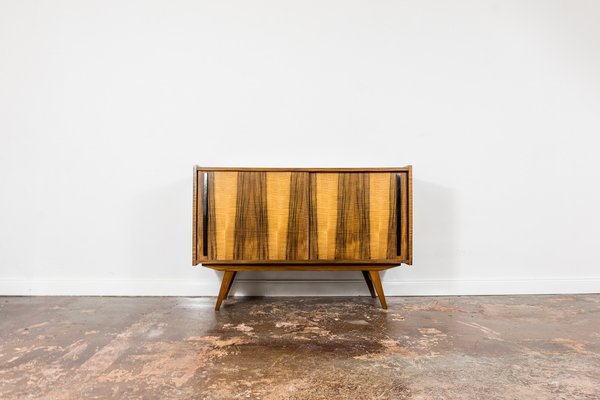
{"type": "Point", "coordinates": [205, 214]}
{"type": "Point", "coordinates": [398, 215]}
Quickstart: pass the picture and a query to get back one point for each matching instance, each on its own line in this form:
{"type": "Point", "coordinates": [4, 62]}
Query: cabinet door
{"type": "Point", "coordinates": [257, 215]}
{"type": "Point", "coordinates": [359, 216]}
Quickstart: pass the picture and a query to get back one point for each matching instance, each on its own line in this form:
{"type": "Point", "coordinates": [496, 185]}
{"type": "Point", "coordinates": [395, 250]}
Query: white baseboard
{"type": "Point", "coordinates": [248, 287]}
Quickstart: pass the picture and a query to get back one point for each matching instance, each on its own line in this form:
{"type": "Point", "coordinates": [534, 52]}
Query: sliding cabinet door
{"type": "Point", "coordinates": [356, 215]}
{"type": "Point", "coordinates": [256, 215]}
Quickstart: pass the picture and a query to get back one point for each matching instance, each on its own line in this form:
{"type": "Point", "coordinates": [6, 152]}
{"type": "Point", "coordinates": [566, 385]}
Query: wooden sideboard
{"type": "Point", "coordinates": [268, 219]}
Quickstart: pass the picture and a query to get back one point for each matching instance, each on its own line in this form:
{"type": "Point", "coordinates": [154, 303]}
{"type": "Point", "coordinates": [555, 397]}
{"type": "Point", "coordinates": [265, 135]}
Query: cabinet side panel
{"type": "Point", "coordinates": [297, 235]}
{"type": "Point", "coordinates": [195, 219]}
{"type": "Point", "coordinates": [404, 229]}
{"type": "Point", "coordinates": [278, 199]}
{"type": "Point", "coordinates": [410, 216]}
{"type": "Point", "coordinates": [222, 214]}
{"type": "Point", "coordinates": [380, 214]}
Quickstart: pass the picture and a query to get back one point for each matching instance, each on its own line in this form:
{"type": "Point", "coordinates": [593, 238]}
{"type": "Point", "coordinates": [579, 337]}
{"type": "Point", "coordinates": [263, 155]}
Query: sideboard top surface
{"type": "Point", "coordinates": [275, 169]}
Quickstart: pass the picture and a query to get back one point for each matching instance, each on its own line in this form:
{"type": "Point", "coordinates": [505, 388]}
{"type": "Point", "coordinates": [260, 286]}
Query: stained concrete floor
{"type": "Point", "coordinates": [493, 347]}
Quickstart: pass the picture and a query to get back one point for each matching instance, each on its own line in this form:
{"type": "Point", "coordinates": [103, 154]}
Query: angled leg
{"type": "Point", "coordinates": [369, 283]}
{"type": "Point", "coordinates": [230, 284]}
{"type": "Point", "coordinates": [377, 283]}
{"type": "Point", "coordinates": [225, 285]}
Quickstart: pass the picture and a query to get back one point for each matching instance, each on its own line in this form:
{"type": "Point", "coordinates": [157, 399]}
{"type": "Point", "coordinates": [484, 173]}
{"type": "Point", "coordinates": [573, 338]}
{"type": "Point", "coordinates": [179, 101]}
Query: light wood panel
{"type": "Point", "coordinates": [222, 214]}
{"type": "Point", "coordinates": [380, 213]}
{"type": "Point", "coordinates": [326, 206]}
{"type": "Point", "coordinates": [278, 200]}
{"type": "Point", "coordinates": [313, 224]}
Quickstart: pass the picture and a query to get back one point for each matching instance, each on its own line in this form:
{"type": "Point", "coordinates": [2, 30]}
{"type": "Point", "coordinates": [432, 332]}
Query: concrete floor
{"type": "Point", "coordinates": [494, 347]}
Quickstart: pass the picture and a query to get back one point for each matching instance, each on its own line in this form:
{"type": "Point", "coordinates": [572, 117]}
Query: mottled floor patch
{"type": "Point", "coordinates": [495, 347]}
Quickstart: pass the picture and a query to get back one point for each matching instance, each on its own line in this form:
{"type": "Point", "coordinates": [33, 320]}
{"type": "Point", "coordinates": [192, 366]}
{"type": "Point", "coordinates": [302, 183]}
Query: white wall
{"type": "Point", "coordinates": [105, 106]}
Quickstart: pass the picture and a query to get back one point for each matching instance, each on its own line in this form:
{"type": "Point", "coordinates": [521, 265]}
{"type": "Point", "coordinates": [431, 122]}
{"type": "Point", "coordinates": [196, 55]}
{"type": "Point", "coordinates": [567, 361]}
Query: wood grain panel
{"type": "Point", "coordinates": [379, 213]}
{"type": "Point", "coordinates": [297, 237]}
{"type": "Point", "coordinates": [353, 225]}
{"type": "Point", "coordinates": [313, 237]}
{"type": "Point", "coordinates": [221, 215]}
{"type": "Point", "coordinates": [250, 239]}
{"type": "Point", "coordinates": [278, 211]}
{"type": "Point", "coordinates": [326, 206]}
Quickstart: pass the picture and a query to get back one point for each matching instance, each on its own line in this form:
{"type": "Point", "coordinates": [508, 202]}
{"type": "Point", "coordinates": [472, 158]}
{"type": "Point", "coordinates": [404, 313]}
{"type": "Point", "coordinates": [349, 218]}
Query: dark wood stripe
{"type": "Point", "coordinates": [250, 237]}
{"type": "Point", "coordinates": [313, 239]}
{"type": "Point", "coordinates": [398, 223]}
{"type": "Point", "coordinates": [211, 230]}
{"type": "Point", "coordinates": [297, 235]}
{"type": "Point", "coordinates": [353, 222]}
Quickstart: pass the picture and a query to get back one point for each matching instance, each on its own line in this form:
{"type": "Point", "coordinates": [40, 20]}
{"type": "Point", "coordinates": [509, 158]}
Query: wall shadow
{"type": "Point", "coordinates": [435, 234]}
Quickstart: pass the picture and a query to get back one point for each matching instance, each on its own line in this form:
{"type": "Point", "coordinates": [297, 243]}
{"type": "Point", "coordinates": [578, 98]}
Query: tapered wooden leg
{"type": "Point", "coordinates": [225, 285]}
{"type": "Point", "coordinates": [230, 284]}
{"type": "Point", "coordinates": [377, 283]}
{"type": "Point", "coordinates": [369, 283]}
